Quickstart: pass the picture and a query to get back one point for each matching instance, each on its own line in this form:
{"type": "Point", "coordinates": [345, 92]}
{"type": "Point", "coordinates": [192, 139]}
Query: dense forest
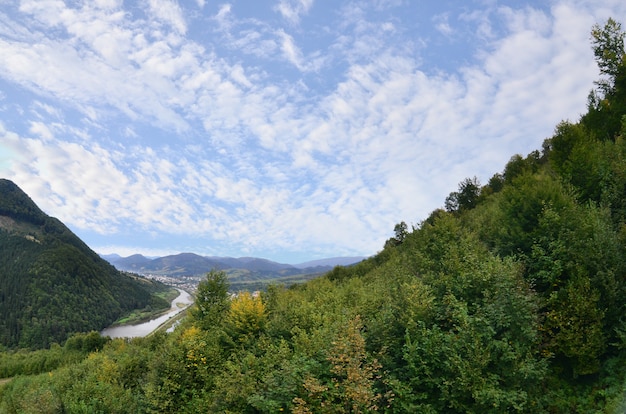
{"type": "Point", "coordinates": [509, 299]}
{"type": "Point", "coordinates": [52, 284]}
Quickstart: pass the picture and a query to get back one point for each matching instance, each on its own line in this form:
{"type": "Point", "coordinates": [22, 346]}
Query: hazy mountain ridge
{"type": "Point", "coordinates": [191, 264]}
{"type": "Point", "coordinates": [331, 261]}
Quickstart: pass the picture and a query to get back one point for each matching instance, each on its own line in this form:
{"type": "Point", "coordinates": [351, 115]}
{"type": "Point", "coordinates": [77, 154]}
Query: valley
{"type": "Point", "coordinates": [130, 329]}
{"type": "Point", "coordinates": [185, 270]}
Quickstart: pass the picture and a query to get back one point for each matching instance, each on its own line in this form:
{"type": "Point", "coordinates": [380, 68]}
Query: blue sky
{"type": "Point", "coordinates": [289, 129]}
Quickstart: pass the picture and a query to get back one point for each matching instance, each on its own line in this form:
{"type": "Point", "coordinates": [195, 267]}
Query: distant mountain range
{"type": "Point", "coordinates": [190, 264]}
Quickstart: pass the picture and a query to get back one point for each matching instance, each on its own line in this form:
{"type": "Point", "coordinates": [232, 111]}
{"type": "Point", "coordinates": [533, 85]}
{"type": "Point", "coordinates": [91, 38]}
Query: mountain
{"type": "Point", "coordinates": [131, 263]}
{"type": "Point", "coordinates": [111, 257]}
{"type": "Point", "coordinates": [252, 264]}
{"type": "Point", "coordinates": [51, 283]}
{"type": "Point", "coordinates": [190, 264]}
{"type": "Point", "coordinates": [183, 264]}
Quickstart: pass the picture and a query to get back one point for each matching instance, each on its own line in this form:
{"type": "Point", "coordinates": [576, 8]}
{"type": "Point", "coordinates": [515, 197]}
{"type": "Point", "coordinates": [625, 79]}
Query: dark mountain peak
{"type": "Point", "coordinates": [9, 186]}
{"type": "Point", "coordinates": [25, 218]}
{"type": "Point", "coordinates": [16, 204]}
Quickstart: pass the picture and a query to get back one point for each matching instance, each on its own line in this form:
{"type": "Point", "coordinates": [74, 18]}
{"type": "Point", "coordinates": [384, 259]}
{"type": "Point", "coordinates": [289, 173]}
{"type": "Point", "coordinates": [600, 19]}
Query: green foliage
{"type": "Point", "coordinates": [16, 251]}
{"type": "Point", "coordinates": [212, 300]}
{"type": "Point", "coordinates": [607, 106]}
{"type": "Point", "coordinates": [516, 211]}
{"type": "Point", "coordinates": [30, 395]}
{"type": "Point", "coordinates": [14, 203]}
{"type": "Point", "coordinates": [608, 47]}
{"type": "Point", "coordinates": [476, 350]}
{"type": "Point", "coordinates": [351, 388]}
{"type": "Point", "coordinates": [400, 230]}
{"type": "Point", "coordinates": [86, 342]}
{"type": "Point", "coordinates": [575, 265]}
{"type": "Point", "coordinates": [466, 198]}
{"type": "Point", "coordinates": [518, 166]}
{"type": "Point", "coordinates": [24, 362]}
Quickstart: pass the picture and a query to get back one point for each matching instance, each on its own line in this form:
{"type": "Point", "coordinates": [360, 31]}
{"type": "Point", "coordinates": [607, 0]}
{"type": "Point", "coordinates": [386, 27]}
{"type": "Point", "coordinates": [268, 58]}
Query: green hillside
{"type": "Point", "coordinates": [509, 300]}
{"type": "Point", "coordinates": [51, 283]}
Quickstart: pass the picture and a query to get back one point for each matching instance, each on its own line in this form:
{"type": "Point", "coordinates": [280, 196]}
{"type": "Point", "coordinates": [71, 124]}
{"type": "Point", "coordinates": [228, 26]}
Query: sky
{"type": "Point", "coordinates": [290, 130]}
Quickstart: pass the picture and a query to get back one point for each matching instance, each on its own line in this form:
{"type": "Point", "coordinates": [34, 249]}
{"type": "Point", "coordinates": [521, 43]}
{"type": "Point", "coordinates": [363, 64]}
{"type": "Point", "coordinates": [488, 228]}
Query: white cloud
{"type": "Point", "coordinates": [169, 11]}
{"type": "Point", "coordinates": [442, 25]}
{"type": "Point", "coordinates": [46, 64]}
{"type": "Point", "coordinates": [223, 15]}
{"type": "Point", "coordinates": [42, 130]}
{"type": "Point", "coordinates": [290, 50]}
{"type": "Point", "coordinates": [292, 10]}
{"type": "Point", "coordinates": [138, 126]}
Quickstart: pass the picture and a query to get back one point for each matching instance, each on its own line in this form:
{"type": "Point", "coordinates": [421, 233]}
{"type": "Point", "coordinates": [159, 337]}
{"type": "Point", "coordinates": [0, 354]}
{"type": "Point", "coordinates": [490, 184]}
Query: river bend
{"type": "Point", "coordinates": [144, 328]}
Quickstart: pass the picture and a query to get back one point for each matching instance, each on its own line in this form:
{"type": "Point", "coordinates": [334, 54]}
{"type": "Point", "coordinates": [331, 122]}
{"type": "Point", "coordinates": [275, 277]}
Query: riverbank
{"type": "Point", "coordinates": [146, 314]}
{"type": "Point", "coordinates": [178, 305]}
{"type": "Point", "coordinates": [171, 323]}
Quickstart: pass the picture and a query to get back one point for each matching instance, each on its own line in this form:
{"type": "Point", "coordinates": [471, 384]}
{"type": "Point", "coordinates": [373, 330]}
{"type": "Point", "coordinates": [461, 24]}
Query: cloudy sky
{"type": "Point", "coordinates": [286, 129]}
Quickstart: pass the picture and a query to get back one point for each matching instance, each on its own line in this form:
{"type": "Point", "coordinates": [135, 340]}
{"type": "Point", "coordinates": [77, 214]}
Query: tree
{"type": "Point", "coordinates": [496, 183]}
{"type": "Point", "coordinates": [467, 196]}
{"type": "Point", "coordinates": [351, 389]}
{"type": "Point", "coordinates": [608, 48]}
{"type": "Point", "coordinates": [247, 316]}
{"type": "Point", "coordinates": [212, 301]}
{"type": "Point", "coordinates": [401, 231]}
{"type": "Point", "coordinates": [608, 104]}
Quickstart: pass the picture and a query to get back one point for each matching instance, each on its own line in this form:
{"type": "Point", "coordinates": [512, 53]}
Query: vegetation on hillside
{"type": "Point", "coordinates": [52, 284]}
{"type": "Point", "coordinates": [511, 299]}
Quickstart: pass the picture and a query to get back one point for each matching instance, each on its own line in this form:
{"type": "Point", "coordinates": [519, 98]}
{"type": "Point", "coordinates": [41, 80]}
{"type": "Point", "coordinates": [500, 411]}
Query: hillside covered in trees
{"type": "Point", "coordinates": [511, 299]}
{"type": "Point", "coordinates": [52, 284]}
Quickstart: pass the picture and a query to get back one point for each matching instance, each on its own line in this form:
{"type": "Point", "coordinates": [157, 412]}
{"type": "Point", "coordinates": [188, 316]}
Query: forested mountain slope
{"type": "Point", "coordinates": [509, 300]}
{"type": "Point", "coordinates": [51, 283]}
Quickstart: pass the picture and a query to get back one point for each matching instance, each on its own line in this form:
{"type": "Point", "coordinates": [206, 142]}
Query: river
{"type": "Point", "coordinates": [142, 329]}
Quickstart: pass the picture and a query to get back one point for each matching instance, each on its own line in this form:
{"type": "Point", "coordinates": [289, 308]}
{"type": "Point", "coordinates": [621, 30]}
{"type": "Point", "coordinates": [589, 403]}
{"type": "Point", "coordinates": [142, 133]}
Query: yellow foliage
{"type": "Point", "coordinates": [354, 371]}
{"type": "Point", "coordinates": [247, 314]}
{"type": "Point", "coordinates": [190, 334]}
{"type": "Point", "coordinates": [109, 371]}
{"type": "Point", "coordinates": [195, 346]}
{"type": "Point", "coordinates": [354, 374]}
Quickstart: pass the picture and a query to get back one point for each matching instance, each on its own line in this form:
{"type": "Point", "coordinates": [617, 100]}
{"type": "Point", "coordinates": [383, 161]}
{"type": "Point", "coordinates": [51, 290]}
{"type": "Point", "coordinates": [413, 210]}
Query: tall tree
{"type": "Point", "coordinates": [212, 301]}
{"type": "Point", "coordinates": [467, 196]}
{"type": "Point", "coordinates": [607, 106]}
{"type": "Point", "coordinates": [608, 48]}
